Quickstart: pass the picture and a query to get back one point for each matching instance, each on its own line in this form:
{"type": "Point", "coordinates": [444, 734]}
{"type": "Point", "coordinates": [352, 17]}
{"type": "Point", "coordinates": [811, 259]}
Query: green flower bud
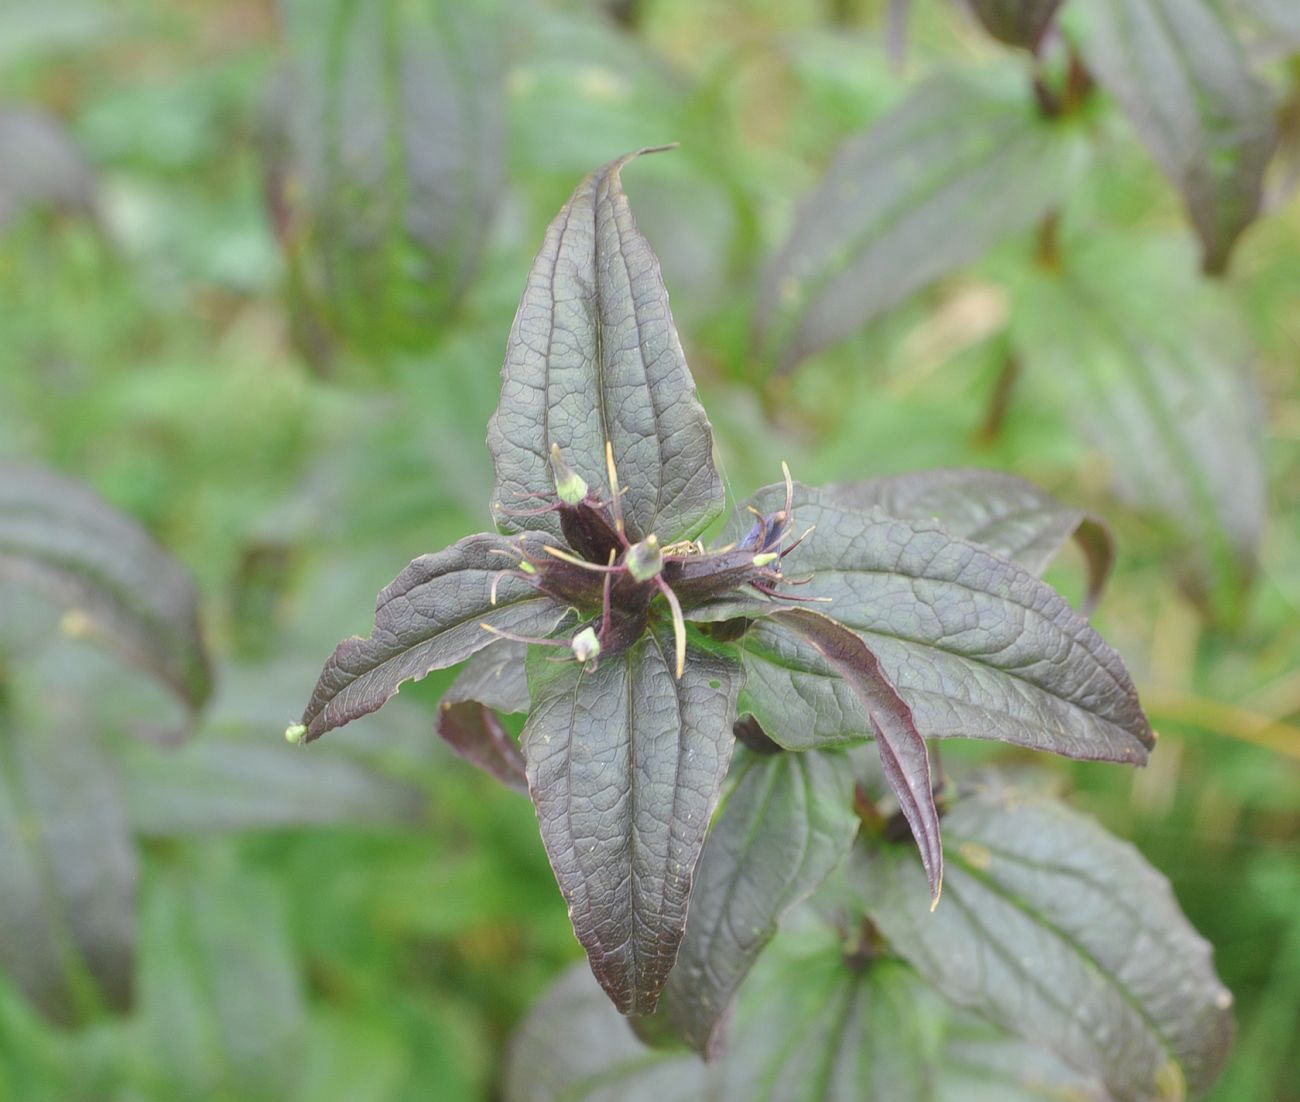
{"type": "Point", "coordinates": [570, 487]}
{"type": "Point", "coordinates": [645, 560]}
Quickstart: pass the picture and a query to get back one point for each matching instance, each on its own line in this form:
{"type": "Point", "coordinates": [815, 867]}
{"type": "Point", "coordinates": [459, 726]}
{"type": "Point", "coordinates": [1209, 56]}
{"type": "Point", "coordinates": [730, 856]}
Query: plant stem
{"type": "Point", "coordinates": [995, 416]}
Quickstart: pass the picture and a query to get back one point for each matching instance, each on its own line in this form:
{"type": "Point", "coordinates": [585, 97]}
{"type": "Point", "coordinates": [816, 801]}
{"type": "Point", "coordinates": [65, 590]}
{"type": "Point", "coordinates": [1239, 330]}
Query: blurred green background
{"type": "Point", "coordinates": [224, 308]}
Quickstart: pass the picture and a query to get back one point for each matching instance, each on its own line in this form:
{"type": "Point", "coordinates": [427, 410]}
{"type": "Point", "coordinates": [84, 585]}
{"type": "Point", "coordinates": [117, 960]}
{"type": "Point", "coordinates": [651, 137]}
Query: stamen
{"type": "Point", "coordinates": [679, 624]}
{"type": "Point", "coordinates": [616, 502]}
{"type": "Point", "coordinates": [573, 560]}
{"type": "Point", "coordinates": [606, 605]}
{"type": "Point", "coordinates": [808, 532]}
{"type": "Point", "coordinates": [531, 639]}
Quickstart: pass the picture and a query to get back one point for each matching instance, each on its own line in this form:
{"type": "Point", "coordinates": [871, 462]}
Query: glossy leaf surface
{"type": "Point", "coordinates": [1178, 71]}
{"type": "Point", "coordinates": [976, 646]}
{"type": "Point", "coordinates": [787, 823]}
{"type": "Point", "coordinates": [593, 357]}
{"type": "Point", "coordinates": [116, 582]}
{"type": "Point", "coordinates": [1065, 935]}
{"type": "Point", "coordinates": [494, 680]}
{"type": "Point", "coordinates": [959, 166]}
{"type": "Point", "coordinates": [429, 618]}
{"type": "Point", "coordinates": [625, 766]}
{"type": "Point", "coordinates": [1007, 514]}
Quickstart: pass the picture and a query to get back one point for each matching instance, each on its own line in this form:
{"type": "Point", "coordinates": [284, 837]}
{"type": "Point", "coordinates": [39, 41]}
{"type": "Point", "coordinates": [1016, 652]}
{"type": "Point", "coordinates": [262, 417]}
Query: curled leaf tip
{"type": "Point", "coordinates": [294, 733]}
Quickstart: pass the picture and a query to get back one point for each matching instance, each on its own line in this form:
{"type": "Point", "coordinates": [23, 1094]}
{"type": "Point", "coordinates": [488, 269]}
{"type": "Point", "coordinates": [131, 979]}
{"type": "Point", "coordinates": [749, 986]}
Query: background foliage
{"type": "Point", "coordinates": [228, 303]}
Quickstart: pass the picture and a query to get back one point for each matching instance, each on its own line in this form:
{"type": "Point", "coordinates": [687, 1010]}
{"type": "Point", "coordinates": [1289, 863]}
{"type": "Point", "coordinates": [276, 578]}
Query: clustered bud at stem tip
{"type": "Point", "coordinates": [294, 733]}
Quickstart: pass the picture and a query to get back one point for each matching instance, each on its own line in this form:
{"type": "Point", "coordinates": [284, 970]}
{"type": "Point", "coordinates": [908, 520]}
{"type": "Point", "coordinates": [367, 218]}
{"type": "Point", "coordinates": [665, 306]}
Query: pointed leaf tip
{"type": "Point", "coordinates": [597, 280]}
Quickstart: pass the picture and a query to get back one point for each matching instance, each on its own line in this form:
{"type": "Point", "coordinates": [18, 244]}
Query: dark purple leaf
{"type": "Point", "coordinates": [1005, 513]}
{"type": "Point", "coordinates": [593, 357]}
{"type": "Point", "coordinates": [932, 186]}
{"type": "Point", "coordinates": [976, 646]}
{"type": "Point", "coordinates": [1178, 71]}
{"type": "Point", "coordinates": [67, 870]}
{"type": "Point", "coordinates": [429, 618]}
{"type": "Point", "coordinates": [1065, 935]}
{"type": "Point", "coordinates": [787, 823]}
{"type": "Point", "coordinates": [117, 583]}
{"type": "Point", "coordinates": [494, 680]}
{"type": "Point", "coordinates": [1016, 22]}
{"type": "Point", "coordinates": [902, 750]}
{"type": "Point", "coordinates": [625, 766]}
{"type": "Point", "coordinates": [40, 166]}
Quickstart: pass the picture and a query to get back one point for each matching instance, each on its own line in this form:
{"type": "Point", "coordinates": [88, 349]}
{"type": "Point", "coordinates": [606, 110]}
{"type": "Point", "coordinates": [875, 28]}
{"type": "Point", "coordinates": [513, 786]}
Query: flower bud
{"type": "Point", "coordinates": [570, 487]}
{"type": "Point", "coordinates": [645, 560]}
{"type": "Point", "coordinates": [586, 645]}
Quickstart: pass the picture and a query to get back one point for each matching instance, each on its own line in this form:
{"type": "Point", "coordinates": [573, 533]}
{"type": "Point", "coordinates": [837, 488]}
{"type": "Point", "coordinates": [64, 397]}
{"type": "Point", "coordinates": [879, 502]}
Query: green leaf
{"type": "Point", "coordinates": [1280, 19]}
{"type": "Point", "coordinates": [494, 680]}
{"type": "Point", "coordinates": [810, 1028]}
{"type": "Point", "coordinates": [932, 186]}
{"type": "Point", "coordinates": [1016, 22]}
{"type": "Point", "coordinates": [981, 1063]}
{"type": "Point", "coordinates": [594, 357]}
{"type": "Point", "coordinates": [1178, 71]}
{"type": "Point", "coordinates": [1157, 375]}
{"type": "Point", "coordinates": [625, 766]}
{"type": "Point", "coordinates": [116, 582]}
{"type": "Point", "coordinates": [813, 1025]}
{"type": "Point", "coordinates": [902, 749]}
{"type": "Point", "coordinates": [67, 871]}
{"type": "Point", "coordinates": [976, 646]}
{"type": "Point", "coordinates": [429, 618]}
{"type": "Point", "coordinates": [1065, 935]}
{"type": "Point", "coordinates": [218, 784]}
{"type": "Point", "coordinates": [386, 162]}
{"type": "Point", "coordinates": [40, 166]}
{"type": "Point", "coordinates": [1013, 517]}
{"type": "Point", "coordinates": [787, 823]}
{"type": "Point", "coordinates": [574, 1047]}
{"type": "Point", "coordinates": [221, 1003]}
